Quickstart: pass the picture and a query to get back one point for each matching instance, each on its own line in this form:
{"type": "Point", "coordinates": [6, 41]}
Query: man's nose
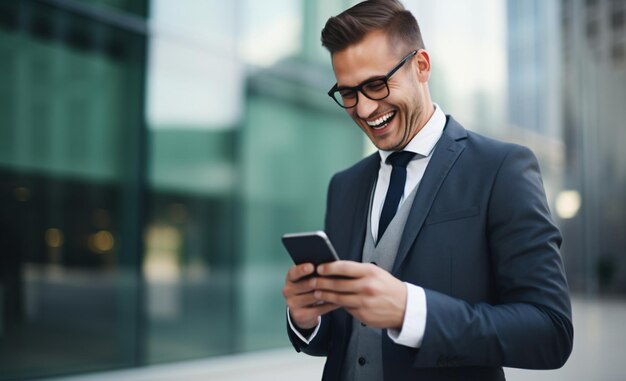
{"type": "Point", "coordinates": [365, 107]}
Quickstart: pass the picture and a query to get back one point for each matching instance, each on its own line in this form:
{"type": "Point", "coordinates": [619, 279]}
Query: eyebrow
{"type": "Point", "coordinates": [362, 82]}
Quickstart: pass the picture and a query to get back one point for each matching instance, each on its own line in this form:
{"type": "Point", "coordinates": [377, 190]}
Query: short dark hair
{"type": "Point", "coordinates": [390, 16]}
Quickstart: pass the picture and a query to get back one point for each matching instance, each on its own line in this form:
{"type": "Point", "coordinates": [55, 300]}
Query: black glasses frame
{"type": "Point", "coordinates": [334, 91]}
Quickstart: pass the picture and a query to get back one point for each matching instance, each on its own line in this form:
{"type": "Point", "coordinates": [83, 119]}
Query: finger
{"type": "Point", "coordinates": [326, 308]}
{"type": "Point", "coordinates": [297, 272]}
{"type": "Point", "coordinates": [300, 301]}
{"type": "Point", "coordinates": [349, 269]}
{"type": "Point", "coordinates": [304, 317]}
{"type": "Point", "coordinates": [302, 286]}
{"type": "Point", "coordinates": [343, 300]}
{"type": "Point", "coordinates": [351, 285]}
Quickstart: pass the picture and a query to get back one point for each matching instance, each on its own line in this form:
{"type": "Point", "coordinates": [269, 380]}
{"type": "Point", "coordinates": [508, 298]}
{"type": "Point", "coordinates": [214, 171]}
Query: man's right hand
{"type": "Point", "coordinates": [304, 309]}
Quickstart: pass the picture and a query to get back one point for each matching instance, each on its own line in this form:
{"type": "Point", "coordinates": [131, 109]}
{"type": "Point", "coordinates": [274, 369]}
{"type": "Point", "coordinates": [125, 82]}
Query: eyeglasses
{"type": "Point", "coordinates": [375, 89]}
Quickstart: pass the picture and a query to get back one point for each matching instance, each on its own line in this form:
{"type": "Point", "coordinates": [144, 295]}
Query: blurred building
{"type": "Point", "coordinates": [566, 96]}
{"type": "Point", "coordinates": [594, 95]}
{"type": "Point", "coordinates": [152, 153]}
{"type": "Point", "coordinates": [533, 91]}
{"type": "Point", "coordinates": [533, 67]}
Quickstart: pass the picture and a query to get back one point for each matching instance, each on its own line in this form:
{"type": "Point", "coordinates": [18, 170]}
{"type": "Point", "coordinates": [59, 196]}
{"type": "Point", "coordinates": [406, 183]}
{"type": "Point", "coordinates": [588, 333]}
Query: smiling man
{"type": "Point", "coordinates": [450, 260]}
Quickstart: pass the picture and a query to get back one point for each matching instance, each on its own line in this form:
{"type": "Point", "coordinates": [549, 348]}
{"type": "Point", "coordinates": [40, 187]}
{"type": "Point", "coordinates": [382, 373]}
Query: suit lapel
{"type": "Point", "coordinates": [448, 149]}
{"type": "Point", "coordinates": [361, 207]}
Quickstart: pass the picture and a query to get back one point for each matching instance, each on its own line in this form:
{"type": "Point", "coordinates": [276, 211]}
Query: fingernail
{"type": "Point", "coordinates": [308, 268]}
{"type": "Point", "coordinates": [321, 269]}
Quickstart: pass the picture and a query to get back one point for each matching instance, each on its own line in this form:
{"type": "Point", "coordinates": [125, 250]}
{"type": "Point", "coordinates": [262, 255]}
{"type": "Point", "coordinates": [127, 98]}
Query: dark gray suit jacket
{"type": "Point", "coordinates": [480, 240]}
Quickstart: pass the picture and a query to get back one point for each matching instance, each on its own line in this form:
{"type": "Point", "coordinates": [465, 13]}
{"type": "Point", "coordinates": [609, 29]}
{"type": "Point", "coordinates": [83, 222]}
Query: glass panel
{"type": "Point", "coordinates": [193, 106]}
{"type": "Point", "coordinates": [190, 242]}
{"type": "Point", "coordinates": [243, 141]}
{"type": "Point", "coordinates": [70, 112]}
{"type": "Point", "coordinates": [136, 7]}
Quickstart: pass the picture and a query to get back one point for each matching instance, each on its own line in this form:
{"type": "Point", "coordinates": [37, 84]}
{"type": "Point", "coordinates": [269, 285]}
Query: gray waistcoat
{"type": "Point", "coordinates": [364, 359]}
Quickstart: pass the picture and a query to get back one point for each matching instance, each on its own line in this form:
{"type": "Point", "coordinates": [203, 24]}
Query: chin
{"type": "Point", "coordinates": [385, 146]}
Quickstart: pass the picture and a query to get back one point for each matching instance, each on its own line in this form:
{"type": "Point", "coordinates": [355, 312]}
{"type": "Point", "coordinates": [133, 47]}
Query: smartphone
{"type": "Point", "coordinates": [312, 247]}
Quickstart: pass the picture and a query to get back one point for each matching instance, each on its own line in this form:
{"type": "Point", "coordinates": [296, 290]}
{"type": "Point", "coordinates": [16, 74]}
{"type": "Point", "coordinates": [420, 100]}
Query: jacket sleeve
{"type": "Point", "coordinates": [318, 346]}
{"type": "Point", "coordinates": [530, 326]}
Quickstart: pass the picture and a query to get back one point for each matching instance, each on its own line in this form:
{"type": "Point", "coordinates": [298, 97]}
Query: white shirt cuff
{"type": "Point", "coordinates": [295, 330]}
{"type": "Point", "coordinates": [412, 332]}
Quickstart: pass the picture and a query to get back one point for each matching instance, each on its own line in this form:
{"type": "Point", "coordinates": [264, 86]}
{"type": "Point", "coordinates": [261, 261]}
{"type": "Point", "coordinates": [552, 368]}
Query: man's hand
{"type": "Point", "coordinates": [305, 310]}
{"type": "Point", "coordinates": [369, 293]}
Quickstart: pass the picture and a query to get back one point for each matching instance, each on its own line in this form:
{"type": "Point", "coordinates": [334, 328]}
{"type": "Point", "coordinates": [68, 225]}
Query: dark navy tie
{"type": "Point", "coordinates": [398, 161]}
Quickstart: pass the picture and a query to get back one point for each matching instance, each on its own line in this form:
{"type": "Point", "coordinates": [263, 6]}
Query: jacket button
{"type": "Point", "coordinates": [362, 361]}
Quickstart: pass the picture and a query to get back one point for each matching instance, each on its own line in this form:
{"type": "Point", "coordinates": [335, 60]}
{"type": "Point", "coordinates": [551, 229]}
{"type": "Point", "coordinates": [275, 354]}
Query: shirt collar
{"type": "Point", "coordinates": [423, 143]}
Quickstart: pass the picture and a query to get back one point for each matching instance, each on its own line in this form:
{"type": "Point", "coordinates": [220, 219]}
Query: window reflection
{"type": "Point", "coordinates": [68, 91]}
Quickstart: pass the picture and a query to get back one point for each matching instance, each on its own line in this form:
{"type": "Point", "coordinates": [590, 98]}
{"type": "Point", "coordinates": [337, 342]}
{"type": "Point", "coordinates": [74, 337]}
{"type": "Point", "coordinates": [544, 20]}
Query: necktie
{"type": "Point", "coordinates": [398, 161]}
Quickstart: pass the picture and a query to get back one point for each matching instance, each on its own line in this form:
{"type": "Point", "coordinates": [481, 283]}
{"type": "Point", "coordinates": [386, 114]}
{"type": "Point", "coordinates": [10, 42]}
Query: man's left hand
{"type": "Point", "coordinates": [366, 291]}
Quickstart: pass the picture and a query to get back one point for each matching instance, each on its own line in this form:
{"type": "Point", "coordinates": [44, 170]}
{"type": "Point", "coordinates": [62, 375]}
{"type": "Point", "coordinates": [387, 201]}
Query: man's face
{"type": "Point", "coordinates": [392, 122]}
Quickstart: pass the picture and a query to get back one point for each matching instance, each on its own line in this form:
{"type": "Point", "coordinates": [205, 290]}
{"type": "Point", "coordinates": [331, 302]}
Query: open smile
{"type": "Point", "coordinates": [381, 122]}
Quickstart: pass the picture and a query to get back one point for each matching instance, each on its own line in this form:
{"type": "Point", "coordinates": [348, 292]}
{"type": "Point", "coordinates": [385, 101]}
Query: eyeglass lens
{"type": "Point", "coordinates": [376, 90]}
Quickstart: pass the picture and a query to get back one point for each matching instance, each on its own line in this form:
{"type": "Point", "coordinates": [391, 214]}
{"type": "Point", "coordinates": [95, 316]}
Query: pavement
{"type": "Point", "coordinates": [599, 354]}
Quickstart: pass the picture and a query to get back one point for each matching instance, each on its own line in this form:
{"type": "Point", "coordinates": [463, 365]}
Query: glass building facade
{"type": "Point", "coordinates": [593, 47]}
{"type": "Point", "coordinates": [71, 156]}
{"type": "Point", "coordinates": [566, 87]}
{"type": "Point", "coordinates": [151, 156]}
{"type": "Point", "coordinates": [152, 153]}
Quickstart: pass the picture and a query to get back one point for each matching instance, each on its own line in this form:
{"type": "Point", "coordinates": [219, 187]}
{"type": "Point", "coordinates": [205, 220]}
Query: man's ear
{"type": "Point", "coordinates": [422, 65]}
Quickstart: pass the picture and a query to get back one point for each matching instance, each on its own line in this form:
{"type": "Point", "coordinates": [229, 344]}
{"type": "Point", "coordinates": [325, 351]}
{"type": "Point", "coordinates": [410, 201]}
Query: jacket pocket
{"type": "Point", "coordinates": [439, 217]}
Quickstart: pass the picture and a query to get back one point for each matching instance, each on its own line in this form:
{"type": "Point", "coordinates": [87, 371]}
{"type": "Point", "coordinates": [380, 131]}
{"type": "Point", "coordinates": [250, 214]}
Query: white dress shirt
{"type": "Point", "coordinates": [423, 144]}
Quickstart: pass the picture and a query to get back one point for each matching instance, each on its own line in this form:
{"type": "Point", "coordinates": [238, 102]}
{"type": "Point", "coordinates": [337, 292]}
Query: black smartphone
{"type": "Point", "coordinates": [312, 247]}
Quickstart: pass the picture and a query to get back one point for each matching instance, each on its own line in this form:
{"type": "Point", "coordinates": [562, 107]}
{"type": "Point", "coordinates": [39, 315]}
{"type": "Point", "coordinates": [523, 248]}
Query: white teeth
{"type": "Point", "coordinates": [380, 121]}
